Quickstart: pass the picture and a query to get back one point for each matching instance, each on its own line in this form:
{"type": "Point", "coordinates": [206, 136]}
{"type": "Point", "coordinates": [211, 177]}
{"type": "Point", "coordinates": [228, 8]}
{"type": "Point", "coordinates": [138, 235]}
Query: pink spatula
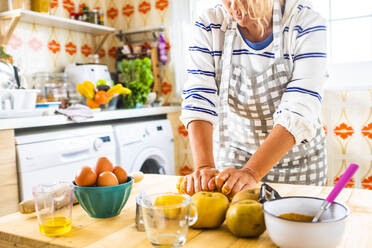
{"type": "Point", "coordinates": [348, 174]}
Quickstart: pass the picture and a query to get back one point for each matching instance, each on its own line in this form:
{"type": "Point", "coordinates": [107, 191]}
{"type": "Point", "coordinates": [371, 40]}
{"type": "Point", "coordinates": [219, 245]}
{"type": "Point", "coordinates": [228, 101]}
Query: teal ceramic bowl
{"type": "Point", "coordinates": [104, 202]}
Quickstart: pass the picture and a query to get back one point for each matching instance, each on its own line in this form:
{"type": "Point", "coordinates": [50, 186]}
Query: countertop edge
{"type": "Point", "coordinates": [55, 120]}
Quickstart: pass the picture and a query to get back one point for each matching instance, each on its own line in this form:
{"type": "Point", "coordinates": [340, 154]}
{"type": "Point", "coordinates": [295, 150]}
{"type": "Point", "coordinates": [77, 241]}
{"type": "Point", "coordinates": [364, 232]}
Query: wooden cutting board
{"type": "Point", "coordinates": [18, 230]}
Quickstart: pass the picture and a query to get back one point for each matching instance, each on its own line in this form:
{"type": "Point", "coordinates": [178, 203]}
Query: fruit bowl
{"type": "Point", "coordinates": [103, 202]}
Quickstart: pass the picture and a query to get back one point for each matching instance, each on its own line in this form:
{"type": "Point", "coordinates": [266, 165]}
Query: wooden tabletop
{"type": "Point", "coordinates": [18, 230]}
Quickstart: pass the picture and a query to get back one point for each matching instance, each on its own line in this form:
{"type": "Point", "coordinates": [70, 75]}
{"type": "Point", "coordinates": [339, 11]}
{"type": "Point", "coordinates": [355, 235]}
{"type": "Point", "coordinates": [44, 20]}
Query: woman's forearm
{"type": "Point", "coordinates": [276, 145]}
{"type": "Point", "coordinates": [201, 142]}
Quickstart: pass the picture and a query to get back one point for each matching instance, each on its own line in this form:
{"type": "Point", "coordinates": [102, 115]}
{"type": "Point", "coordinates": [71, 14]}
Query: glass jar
{"type": "Point", "coordinates": [94, 16]}
{"type": "Point", "coordinates": [60, 90]}
{"type": "Point", "coordinates": [40, 6]}
{"type": "Point", "coordinates": [93, 59]}
{"type": "Point", "coordinates": [43, 82]}
{"type": "Point", "coordinates": [64, 90]}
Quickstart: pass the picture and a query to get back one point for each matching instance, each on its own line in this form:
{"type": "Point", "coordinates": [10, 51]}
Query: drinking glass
{"type": "Point", "coordinates": [53, 205]}
{"type": "Point", "coordinates": [167, 225]}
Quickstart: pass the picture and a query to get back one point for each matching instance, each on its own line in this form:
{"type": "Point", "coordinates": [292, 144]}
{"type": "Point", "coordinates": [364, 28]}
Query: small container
{"type": "Point", "coordinates": [64, 91]}
{"type": "Point", "coordinates": [53, 205]}
{"type": "Point", "coordinates": [291, 233]}
{"type": "Point", "coordinates": [18, 99]}
{"type": "Point", "coordinates": [101, 18]}
{"type": "Point", "coordinates": [85, 16]}
{"type": "Point", "coordinates": [94, 16]}
{"type": "Point", "coordinates": [40, 6]}
{"type": "Point", "coordinates": [73, 16]}
{"type": "Point", "coordinates": [139, 216]}
{"type": "Point", "coordinates": [167, 225]}
{"type": "Point", "coordinates": [42, 81]}
{"type": "Point", "coordinates": [80, 16]}
{"type": "Point", "coordinates": [93, 59]}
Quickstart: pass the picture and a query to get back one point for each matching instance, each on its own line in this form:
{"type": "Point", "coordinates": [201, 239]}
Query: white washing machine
{"type": "Point", "coordinates": [56, 154]}
{"type": "Point", "coordinates": [145, 146]}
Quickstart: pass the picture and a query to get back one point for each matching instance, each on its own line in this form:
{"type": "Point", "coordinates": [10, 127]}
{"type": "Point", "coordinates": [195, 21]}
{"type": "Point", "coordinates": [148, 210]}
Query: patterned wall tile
{"type": "Point", "coordinates": [347, 116]}
{"type": "Point", "coordinates": [183, 157]}
{"type": "Point", "coordinates": [128, 12]}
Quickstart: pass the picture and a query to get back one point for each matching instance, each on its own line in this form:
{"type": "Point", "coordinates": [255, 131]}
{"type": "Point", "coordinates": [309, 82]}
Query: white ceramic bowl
{"type": "Point", "coordinates": [18, 99]}
{"type": "Point", "coordinates": [297, 234]}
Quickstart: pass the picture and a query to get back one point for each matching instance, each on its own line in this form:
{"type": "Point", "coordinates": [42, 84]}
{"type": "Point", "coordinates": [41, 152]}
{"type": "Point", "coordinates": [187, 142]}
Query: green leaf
{"type": "Point", "coordinates": [137, 75]}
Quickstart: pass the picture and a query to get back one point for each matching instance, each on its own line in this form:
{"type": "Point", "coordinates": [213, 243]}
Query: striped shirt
{"type": "Point", "coordinates": [304, 32]}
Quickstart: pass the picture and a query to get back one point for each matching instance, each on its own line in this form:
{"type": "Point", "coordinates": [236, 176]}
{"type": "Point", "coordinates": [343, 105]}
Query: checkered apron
{"type": "Point", "coordinates": [246, 107]}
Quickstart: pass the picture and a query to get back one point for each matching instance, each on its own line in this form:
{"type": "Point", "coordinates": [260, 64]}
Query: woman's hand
{"type": "Point", "coordinates": [231, 180]}
{"type": "Point", "coordinates": [199, 179]}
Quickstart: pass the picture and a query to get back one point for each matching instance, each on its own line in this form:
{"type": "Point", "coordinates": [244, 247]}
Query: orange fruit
{"type": "Point", "coordinates": [92, 104]}
{"type": "Point", "coordinates": [101, 97]}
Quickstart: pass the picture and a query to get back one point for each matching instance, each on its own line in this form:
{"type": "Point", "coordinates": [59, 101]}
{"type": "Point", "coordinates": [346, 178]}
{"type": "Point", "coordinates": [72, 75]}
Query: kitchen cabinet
{"type": "Point", "coordinates": [120, 231]}
{"type": "Point", "coordinates": [8, 173]}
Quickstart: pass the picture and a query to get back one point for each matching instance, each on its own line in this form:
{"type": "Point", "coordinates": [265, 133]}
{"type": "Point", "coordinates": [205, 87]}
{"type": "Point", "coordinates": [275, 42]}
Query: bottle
{"type": "Point", "coordinates": [86, 13]}
{"type": "Point", "coordinates": [40, 6]}
{"type": "Point", "coordinates": [101, 18]}
{"type": "Point", "coordinates": [94, 16]}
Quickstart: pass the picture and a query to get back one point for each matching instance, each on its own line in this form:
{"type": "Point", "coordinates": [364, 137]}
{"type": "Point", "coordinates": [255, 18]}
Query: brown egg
{"type": "Point", "coordinates": [137, 176]}
{"type": "Point", "coordinates": [103, 164]}
{"type": "Point", "coordinates": [120, 174]}
{"type": "Point", "coordinates": [86, 176]}
{"type": "Point", "coordinates": [107, 178]}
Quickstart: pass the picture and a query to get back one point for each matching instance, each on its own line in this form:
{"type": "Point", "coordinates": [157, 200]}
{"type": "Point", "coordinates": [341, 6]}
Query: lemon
{"type": "Point", "coordinates": [168, 201]}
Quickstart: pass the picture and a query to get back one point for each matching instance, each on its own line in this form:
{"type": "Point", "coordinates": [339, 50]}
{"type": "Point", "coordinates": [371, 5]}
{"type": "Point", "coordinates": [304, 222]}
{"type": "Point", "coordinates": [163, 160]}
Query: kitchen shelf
{"type": "Point", "coordinates": [124, 36]}
{"type": "Point", "coordinates": [59, 22]}
{"type": "Point", "coordinates": [48, 20]}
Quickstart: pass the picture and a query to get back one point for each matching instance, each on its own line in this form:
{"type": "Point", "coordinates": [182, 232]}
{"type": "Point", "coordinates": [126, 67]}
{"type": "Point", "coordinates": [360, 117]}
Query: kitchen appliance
{"type": "Point", "coordinates": [145, 146]}
{"type": "Point", "coordinates": [56, 154]}
{"type": "Point", "coordinates": [78, 73]}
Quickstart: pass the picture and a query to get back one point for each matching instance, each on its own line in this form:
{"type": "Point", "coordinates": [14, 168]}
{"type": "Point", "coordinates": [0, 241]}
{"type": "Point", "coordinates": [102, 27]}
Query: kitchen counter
{"type": "Point", "coordinates": [18, 230]}
{"type": "Point", "coordinates": [54, 120]}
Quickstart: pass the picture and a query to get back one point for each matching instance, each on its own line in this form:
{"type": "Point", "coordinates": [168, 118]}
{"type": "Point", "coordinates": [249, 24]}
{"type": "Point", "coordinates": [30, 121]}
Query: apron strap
{"type": "Point", "coordinates": [277, 31]}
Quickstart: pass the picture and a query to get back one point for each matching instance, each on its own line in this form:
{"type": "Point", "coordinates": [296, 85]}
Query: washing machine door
{"type": "Point", "coordinates": [151, 160]}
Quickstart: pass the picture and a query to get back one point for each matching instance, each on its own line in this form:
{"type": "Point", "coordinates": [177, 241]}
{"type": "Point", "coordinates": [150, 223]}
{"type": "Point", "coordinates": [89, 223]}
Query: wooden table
{"type": "Point", "coordinates": [18, 230]}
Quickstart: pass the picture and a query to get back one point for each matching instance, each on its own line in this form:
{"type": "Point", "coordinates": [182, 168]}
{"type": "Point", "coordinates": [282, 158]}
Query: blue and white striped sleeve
{"type": "Point", "coordinates": [200, 91]}
{"type": "Point", "coordinates": [300, 108]}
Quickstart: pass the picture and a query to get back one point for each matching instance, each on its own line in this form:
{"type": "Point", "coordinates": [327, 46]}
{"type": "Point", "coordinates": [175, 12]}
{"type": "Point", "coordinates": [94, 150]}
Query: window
{"type": "Point", "coordinates": [350, 29]}
{"type": "Point", "coordinates": [349, 26]}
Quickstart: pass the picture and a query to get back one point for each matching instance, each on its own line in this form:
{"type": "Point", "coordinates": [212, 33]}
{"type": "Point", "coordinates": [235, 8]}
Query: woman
{"type": "Point", "coordinates": [256, 72]}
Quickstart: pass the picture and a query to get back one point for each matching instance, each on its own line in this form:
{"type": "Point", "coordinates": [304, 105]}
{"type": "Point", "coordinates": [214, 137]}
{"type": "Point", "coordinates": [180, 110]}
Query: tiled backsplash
{"type": "Point", "coordinates": [347, 118]}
